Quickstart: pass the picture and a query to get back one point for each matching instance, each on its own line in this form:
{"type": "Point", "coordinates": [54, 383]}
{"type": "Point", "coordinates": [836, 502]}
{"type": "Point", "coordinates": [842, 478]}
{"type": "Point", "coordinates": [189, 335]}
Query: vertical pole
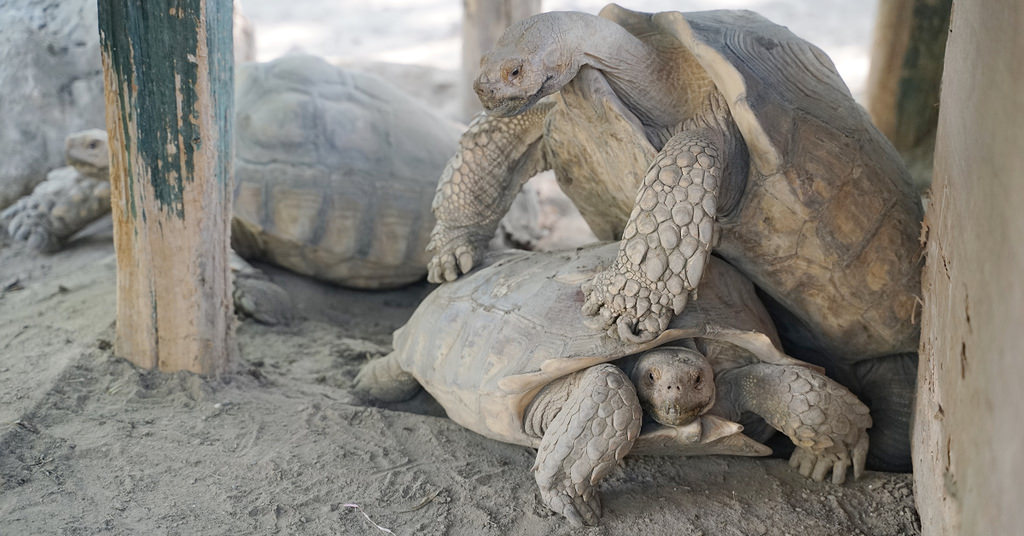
{"type": "Point", "coordinates": [903, 83]}
{"type": "Point", "coordinates": [483, 22]}
{"type": "Point", "coordinates": [968, 439]}
{"type": "Point", "coordinates": [168, 80]}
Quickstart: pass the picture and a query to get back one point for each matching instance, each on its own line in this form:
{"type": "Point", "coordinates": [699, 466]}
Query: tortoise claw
{"type": "Point", "coordinates": [627, 331]}
{"type": "Point", "coordinates": [636, 314]}
{"type": "Point", "coordinates": [465, 259]}
{"type": "Point", "coordinates": [454, 254]}
{"type": "Point", "coordinates": [860, 456]}
{"type": "Point", "coordinates": [579, 511]}
{"type": "Point", "coordinates": [595, 323]}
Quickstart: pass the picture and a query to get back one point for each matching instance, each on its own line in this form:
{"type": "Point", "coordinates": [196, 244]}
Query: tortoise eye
{"type": "Point", "coordinates": [511, 74]}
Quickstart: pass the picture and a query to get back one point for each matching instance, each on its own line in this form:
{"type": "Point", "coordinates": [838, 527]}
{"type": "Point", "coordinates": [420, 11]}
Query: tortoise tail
{"type": "Point", "coordinates": [384, 380]}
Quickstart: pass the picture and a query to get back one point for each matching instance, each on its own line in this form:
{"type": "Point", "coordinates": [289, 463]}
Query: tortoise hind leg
{"type": "Point", "coordinates": [256, 296]}
{"type": "Point", "coordinates": [384, 380]}
{"type": "Point", "coordinates": [887, 385]}
{"type": "Point", "coordinates": [598, 420]}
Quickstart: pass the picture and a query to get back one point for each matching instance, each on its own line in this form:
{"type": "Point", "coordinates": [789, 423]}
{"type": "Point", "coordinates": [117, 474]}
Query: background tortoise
{"type": "Point", "coordinates": [751, 143]}
{"type": "Point", "coordinates": [334, 175]}
{"type": "Point", "coordinates": [69, 198]}
{"type": "Point", "coordinates": [335, 171]}
{"type": "Point", "coordinates": [506, 352]}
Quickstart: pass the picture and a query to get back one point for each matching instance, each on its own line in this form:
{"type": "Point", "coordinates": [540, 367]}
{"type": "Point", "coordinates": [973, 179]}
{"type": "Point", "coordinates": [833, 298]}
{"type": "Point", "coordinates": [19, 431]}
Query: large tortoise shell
{"type": "Point", "coordinates": [335, 171]}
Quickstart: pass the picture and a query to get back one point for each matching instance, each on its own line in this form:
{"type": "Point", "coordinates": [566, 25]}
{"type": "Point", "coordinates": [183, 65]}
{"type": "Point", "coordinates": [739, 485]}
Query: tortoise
{"type": "Point", "coordinates": [334, 175]}
{"type": "Point", "coordinates": [69, 198]}
{"type": "Point", "coordinates": [683, 133]}
{"type": "Point", "coordinates": [335, 172]}
{"type": "Point", "coordinates": [507, 353]}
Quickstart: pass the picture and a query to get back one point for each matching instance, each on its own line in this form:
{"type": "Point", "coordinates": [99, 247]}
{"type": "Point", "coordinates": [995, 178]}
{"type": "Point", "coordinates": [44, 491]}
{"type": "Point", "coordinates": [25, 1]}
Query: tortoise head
{"type": "Point", "coordinates": [674, 385]}
{"type": "Point", "coordinates": [530, 61]}
{"type": "Point", "coordinates": [87, 152]}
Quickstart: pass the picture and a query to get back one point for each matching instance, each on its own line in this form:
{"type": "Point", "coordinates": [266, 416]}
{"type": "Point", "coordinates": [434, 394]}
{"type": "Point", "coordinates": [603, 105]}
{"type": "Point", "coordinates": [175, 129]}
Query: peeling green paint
{"type": "Point", "coordinates": [153, 48]}
{"type": "Point", "coordinates": [222, 77]}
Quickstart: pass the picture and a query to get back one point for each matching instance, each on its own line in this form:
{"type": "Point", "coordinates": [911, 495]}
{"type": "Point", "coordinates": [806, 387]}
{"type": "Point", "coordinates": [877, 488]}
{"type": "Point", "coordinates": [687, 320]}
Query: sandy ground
{"type": "Point", "coordinates": [91, 445]}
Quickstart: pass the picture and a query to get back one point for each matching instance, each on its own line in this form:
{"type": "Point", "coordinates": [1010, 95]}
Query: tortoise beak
{"type": "Point", "coordinates": [500, 101]}
{"type": "Point", "coordinates": [672, 415]}
{"type": "Point", "coordinates": [497, 104]}
{"type": "Point", "coordinates": [485, 91]}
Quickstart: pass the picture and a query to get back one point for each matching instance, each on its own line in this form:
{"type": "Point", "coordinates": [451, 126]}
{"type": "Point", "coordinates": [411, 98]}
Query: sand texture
{"type": "Point", "coordinates": [91, 445]}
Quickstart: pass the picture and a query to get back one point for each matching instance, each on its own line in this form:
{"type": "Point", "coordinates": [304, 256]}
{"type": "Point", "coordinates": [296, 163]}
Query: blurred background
{"type": "Point", "coordinates": [428, 32]}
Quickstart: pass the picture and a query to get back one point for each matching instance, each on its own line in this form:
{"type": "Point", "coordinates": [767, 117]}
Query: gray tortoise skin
{"type": "Point", "coordinates": [507, 352]}
{"type": "Point", "coordinates": [686, 133]}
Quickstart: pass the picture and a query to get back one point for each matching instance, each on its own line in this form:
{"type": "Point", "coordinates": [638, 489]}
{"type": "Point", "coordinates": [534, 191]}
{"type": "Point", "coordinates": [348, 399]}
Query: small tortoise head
{"type": "Point", "coordinates": [87, 152]}
{"type": "Point", "coordinates": [675, 385]}
{"type": "Point", "coordinates": [530, 61]}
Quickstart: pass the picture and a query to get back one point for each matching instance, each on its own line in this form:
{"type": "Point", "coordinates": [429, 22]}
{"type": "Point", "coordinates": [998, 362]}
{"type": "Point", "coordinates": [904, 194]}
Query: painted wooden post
{"type": "Point", "coordinates": [167, 69]}
{"type": "Point", "coordinates": [483, 22]}
{"type": "Point", "coordinates": [903, 83]}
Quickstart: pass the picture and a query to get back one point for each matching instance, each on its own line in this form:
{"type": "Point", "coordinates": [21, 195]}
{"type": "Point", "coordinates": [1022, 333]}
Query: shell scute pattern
{"type": "Point", "coordinates": [335, 172]}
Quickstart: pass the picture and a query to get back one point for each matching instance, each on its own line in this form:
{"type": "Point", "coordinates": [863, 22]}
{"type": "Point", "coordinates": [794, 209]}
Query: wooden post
{"type": "Point", "coordinates": [903, 83]}
{"type": "Point", "coordinates": [167, 70]}
{"type": "Point", "coordinates": [483, 22]}
{"type": "Point", "coordinates": [968, 468]}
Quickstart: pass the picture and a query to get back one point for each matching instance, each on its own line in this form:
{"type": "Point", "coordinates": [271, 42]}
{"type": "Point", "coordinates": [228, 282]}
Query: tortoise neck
{"type": "Point", "coordinates": [661, 89]}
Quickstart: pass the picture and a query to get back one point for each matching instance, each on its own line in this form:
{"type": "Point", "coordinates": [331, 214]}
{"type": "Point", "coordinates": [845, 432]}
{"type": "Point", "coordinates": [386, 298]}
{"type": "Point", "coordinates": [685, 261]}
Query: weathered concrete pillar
{"type": "Point", "coordinates": [167, 70]}
{"type": "Point", "coordinates": [968, 436]}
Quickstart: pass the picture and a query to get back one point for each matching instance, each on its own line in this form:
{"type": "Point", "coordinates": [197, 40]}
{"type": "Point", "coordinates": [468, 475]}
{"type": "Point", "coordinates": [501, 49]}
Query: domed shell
{"type": "Point", "coordinates": [829, 221]}
{"type": "Point", "coordinates": [483, 346]}
{"type": "Point", "coordinates": [335, 171]}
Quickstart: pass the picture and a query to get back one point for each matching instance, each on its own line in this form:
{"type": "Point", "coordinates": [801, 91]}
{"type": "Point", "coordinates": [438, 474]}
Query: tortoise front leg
{"type": "Point", "coordinates": [667, 240]}
{"type": "Point", "coordinates": [826, 422]}
{"type": "Point", "coordinates": [58, 208]}
{"type": "Point", "coordinates": [589, 422]}
{"type": "Point", "coordinates": [496, 156]}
